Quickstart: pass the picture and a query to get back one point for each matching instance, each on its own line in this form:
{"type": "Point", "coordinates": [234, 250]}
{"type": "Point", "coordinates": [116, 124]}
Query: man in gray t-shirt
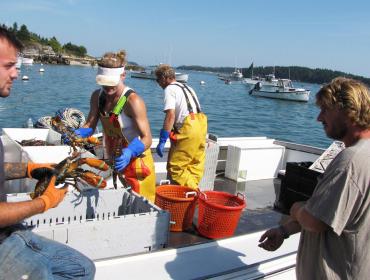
{"type": "Point", "coordinates": [335, 221]}
{"type": "Point", "coordinates": [23, 254]}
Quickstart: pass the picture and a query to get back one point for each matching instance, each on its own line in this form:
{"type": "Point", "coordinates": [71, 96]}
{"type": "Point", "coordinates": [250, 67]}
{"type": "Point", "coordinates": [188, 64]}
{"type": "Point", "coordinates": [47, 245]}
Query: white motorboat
{"type": "Point", "coordinates": [268, 80]}
{"type": "Point", "coordinates": [127, 235]}
{"type": "Point", "coordinates": [149, 74]}
{"type": "Point", "coordinates": [234, 76]}
{"type": "Point", "coordinates": [283, 90]}
{"type": "Point", "coordinates": [27, 61]}
{"type": "Point", "coordinates": [19, 63]}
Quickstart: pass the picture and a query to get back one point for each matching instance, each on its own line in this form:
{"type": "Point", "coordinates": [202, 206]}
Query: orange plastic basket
{"type": "Point", "coordinates": [180, 201]}
{"type": "Point", "coordinates": [219, 213]}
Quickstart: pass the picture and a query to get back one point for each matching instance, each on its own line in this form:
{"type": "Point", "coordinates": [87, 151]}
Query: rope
{"type": "Point", "coordinates": [71, 117]}
{"type": "Point", "coordinates": [43, 122]}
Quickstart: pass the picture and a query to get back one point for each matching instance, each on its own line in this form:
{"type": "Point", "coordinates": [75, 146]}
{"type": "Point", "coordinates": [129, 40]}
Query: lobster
{"type": "Point", "coordinates": [69, 171]}
{"type": "Point", "coordinates": [74, 140]}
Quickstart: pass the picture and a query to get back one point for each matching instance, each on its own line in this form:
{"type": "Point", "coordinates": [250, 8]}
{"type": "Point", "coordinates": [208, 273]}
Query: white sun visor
{"type": "Point", "coordinates": [109, 76]}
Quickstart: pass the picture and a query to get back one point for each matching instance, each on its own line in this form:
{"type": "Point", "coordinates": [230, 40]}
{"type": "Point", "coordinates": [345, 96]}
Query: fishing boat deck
{"type": "Point", "coordinates": [188, 255]}
{"type": "Point", "coordinates": [191, 256]}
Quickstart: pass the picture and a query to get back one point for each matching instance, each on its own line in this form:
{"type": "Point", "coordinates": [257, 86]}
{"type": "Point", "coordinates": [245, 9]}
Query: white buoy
{"type": "Point", "coordinates": [202, 82]}
{"type": "Point", "coordinates": [41, 70]}
{"type": "Point", "coordinates": [25, 78]}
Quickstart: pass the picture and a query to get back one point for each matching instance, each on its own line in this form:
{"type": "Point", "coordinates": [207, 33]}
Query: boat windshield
{"type": "Point", "coordinates": [270, 77]}
{"type": "Point", "coordinates": [285, 83]}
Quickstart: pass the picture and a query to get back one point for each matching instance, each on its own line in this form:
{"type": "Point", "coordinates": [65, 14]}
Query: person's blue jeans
{"type": "Point", "coordinates": [25, 255]}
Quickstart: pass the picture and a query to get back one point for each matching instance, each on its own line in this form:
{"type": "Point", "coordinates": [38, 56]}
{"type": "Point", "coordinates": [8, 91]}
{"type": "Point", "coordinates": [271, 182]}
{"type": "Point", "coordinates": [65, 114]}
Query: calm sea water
{"type": "Point", "coordinates": [230, 109]}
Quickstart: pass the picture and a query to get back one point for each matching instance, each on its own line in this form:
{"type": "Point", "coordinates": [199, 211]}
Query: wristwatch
{"type": "Point", "coordinates": [284, 232]}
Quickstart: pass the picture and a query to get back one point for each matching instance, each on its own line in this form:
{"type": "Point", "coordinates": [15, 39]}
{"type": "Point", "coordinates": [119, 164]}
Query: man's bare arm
{"type": "Point", "coordinates": [169, 120]}
{"type": "Point", "coordinates": [14, 212]}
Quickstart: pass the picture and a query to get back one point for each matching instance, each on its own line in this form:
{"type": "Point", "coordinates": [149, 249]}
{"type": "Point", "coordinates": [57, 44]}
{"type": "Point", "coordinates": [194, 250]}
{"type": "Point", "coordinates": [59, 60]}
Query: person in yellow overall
{"type": "Point", "coordinates": [186, 126]}
{"type": "Point", "coordinates": [126, 130]}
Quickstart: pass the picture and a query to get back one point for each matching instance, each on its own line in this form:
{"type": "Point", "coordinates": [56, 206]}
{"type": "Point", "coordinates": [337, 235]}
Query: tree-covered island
{"type": "Point", "coordinates": [51, 51]}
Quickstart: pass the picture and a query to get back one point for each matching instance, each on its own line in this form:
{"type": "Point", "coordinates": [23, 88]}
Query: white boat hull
{"type": "Point", "coordinates": [27, 61]}
{"type": "Point", "coordinates": [183, 78]}
{"type": "Point", "coordinates": [232, 258]}
{"type": "Point", "coordinates": [19, 63]}
{"type": "Point", "coordinates": [302, 96]}
{"type": "Point", "coordinates": [252, 82]}
{"type": "Point", "coordinates": [180, 77]}
{"type": "Point", "coordinates": [142, 75]}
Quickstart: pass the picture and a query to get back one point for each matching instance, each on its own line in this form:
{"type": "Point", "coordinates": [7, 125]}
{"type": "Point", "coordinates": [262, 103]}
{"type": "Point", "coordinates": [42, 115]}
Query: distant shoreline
{"type": "Point", "coordinates": [296, 73]}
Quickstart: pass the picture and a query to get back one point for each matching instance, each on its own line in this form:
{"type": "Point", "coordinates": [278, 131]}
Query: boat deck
{"type": "Point", "coordinates": [191, 256]}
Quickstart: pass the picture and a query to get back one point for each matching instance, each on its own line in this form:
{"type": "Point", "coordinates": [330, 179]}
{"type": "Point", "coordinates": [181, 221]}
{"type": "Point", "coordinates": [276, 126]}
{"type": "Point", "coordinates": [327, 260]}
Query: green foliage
{"type": "Point", "coordinates": [55, 45]}
{"type": "Point", "coordinates": [27, 37]}
{"type": "Point", "coordinates": [23, 34]}
{"type": "Point", "coordinates": [15, 27]}
{"type": "Point", "coordinates": [76, 50]}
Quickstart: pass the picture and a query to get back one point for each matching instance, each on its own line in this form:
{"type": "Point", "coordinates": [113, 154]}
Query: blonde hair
{"type": "Point", "coordinates": [352, 96]}
{"type": "Point", "coordinates": [165, 71]}
{"type": "Point", "coordinates": [113, 60]}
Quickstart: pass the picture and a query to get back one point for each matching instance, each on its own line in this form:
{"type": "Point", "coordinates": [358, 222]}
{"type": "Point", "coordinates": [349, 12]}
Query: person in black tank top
{"type": "Point", "coordinates": [127, 145]}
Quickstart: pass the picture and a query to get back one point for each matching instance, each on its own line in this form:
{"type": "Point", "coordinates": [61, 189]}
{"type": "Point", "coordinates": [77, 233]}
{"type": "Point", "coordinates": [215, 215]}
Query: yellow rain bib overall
{"type": "Point", "coordinates": [186, 158]}
{"type": "Point", "coordinates": [139, 173]}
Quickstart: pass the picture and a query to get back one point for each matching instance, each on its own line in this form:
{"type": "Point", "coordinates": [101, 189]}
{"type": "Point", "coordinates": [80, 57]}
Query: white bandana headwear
{"type": "Point", "coordinates": [109, 76]}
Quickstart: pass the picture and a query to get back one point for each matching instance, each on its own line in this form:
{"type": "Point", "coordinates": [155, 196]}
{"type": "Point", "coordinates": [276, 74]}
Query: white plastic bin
{"type": "Point", "coordinates": [103, 223]}
{"type": "Point", "coordinates": [208, 180]}
{"type": "Point", "coordinates": [254, 160]}
{"type": "Point", "coordinates": [19, 134]}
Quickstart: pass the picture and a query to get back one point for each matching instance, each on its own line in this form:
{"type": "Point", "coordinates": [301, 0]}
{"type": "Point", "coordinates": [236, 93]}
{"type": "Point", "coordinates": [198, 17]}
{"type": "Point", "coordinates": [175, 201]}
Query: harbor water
{"type": "Point", "coordinates": [230, 109]}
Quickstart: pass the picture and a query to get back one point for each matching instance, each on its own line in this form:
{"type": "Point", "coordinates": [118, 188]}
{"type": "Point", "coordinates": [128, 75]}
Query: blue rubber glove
{"type": "Point", "coordinates": [134, 149]}
{"type": "Point", "coordinates": [82, 132]}
{"type": "Point", "coordinates": [163, 136]}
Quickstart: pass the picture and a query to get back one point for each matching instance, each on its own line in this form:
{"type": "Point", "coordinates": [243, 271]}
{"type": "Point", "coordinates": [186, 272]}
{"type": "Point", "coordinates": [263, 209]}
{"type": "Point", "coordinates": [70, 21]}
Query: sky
{"type": "Point", "coordinates": [313, 33]}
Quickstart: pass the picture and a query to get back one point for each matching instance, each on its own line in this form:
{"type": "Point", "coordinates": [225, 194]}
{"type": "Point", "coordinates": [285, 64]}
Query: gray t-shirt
{"type": "Point", "coordinates": [342, 201]}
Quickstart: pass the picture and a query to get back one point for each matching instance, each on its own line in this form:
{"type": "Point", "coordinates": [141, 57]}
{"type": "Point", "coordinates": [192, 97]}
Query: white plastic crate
{"type": "Point", "coordinates": [254, 160]}
{"type": "Point", "coordinates": [210, 165]}
{"type": "Point", "coordinates": [103, 223]}
{"type": "Point", "coordinates": [52, 154]}
{"type": "Point", "coordinates": [19, 134]}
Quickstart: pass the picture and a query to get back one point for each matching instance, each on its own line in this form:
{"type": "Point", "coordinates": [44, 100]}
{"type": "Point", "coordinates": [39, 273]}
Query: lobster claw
{"type": "Point", "coordinates": [94, 162]}
{"type": "Point", "coordinates": [94, 180]}
{"type": "Point", "coordinates": [41, 186]}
